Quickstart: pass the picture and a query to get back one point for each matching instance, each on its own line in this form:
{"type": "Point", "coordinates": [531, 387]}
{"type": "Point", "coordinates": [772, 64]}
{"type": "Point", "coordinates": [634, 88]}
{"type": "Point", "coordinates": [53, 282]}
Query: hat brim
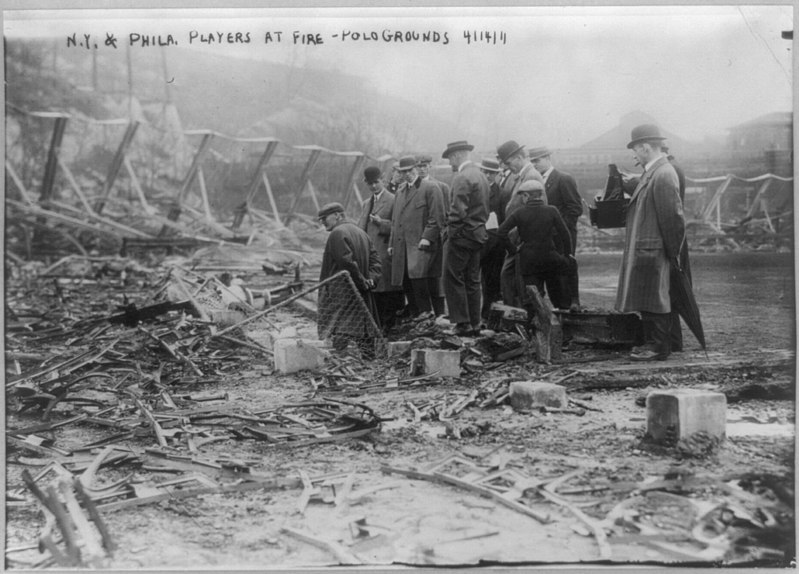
{"type": "Point", "coordinates": [491, 169]}
{"type": "Point", "coordinates": [450, 151]}
{"type": "Point", "coordinates": [409, 168]}
{"type": "Point", "coordinates": [646, 139]}
{"type": "Point", "coordinates": [542, 154]}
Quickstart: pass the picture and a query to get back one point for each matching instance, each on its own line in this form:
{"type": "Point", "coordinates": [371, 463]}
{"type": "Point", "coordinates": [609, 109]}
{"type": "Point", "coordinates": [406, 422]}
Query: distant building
{"type": "Point", "coordinates": [768, 132]}
{"type": "Point", "coordinates": [589, 162]}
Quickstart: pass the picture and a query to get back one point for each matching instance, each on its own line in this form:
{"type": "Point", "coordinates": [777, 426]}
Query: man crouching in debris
{"type": "Point", "coordinates": [342, 316]}
{"type": "Point", "coordinates": [546, 242]}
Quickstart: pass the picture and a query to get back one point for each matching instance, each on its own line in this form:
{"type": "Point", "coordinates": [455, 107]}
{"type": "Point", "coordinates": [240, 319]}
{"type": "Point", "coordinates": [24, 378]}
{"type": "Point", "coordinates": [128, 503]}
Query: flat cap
{"type": "Point", "coordinates": [329, 208]}
{"type": "Point", "coordinates": [531, 185]}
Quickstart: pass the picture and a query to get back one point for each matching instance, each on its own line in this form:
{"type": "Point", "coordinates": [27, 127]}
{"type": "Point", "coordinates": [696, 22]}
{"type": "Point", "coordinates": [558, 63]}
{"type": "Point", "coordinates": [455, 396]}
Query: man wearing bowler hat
{"type": "Point", "coordinates": [348, 248]}
{"type": "Point", "coordinates": [466, 234]}
{"type": "Point", "coordinates": [561, 191]}
{"type": "Point", "coordinates": [655, 230]}
{"type": "Point", "coordinates": [375, 219]}
{"type": "Point", "coordinates": [514, 157]}
{"type": "Point", "coordinates": [415, 239]}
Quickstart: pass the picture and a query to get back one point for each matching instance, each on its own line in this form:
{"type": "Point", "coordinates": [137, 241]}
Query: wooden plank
{"type": "Point", "coordinates": [305, 179]}
{"type": "Point", "coordinates": [272, 202]}
{"type": "Point", "coordinates": [116, 164]}
{"type": "Point", "coordinates": [92, 546]}
{"type": "Point", "coordinates": [18, 182]}
{"type": "Point", "coordinates": [134, 180]}
{"type": "Point", "coordinates": [75, 187]}
{"type": "Point", "coordinates": [48, 179]}
{"type": "Point", "coordinates": [204, 193]}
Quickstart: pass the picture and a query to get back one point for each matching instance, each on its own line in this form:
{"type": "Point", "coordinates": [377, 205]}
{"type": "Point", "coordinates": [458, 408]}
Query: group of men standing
{"type": "Point", "coordinates": [434, 249]}
{"type": "Point", "coordinates": [446, 249]}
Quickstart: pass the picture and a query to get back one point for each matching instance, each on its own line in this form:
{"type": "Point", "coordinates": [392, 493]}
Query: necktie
{"type": "Point", "coordinates": [369, 211]}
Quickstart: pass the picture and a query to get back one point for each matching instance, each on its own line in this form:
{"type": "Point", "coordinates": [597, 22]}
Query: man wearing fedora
{"type": "Point", "coordinates": [375, 219]}
{"type": "Point", "coordinates": [466, 234]}
{"type": "Point", "coordinates": [423, 162]}
{"type": "Point", "coordinates": [493, 253]}
{"type": "Point", "coordinates": [561, 191]}
{"type": "Point", "coordinates": [348, 248]}
{"type": "Point", "coordinates": [513, 156]}
{"type": "Point", "coordinates": [655, 230]}
{"type": "Point", "coordinates": [415, 242]}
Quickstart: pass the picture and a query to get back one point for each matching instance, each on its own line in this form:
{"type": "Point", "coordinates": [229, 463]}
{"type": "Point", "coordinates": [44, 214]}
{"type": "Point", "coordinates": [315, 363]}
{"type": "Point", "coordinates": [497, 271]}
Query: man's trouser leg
{"type": "Point", "coordinates": [436, 295]}
{"type": "Point", "coordinates": [388, 303]}
{"type": "Point", "coordinates": [658, 326]}
{"type": "Point", "coordinates": [491, 269]}
{"type": "Point", "coordinates": [462, 285]}
{"type": "Point", "coordinates": [509, 282]}
{"type": "Point", "coordinates": [407, 288]}
{"type": "Point", "coordinates": [555, 281]}
{"type": "Point", "coordinates": [571, 276]}
{"type": "Point", "coordinates": [473, 286]}
{"type": "Point", "coordinates": [421, 294]}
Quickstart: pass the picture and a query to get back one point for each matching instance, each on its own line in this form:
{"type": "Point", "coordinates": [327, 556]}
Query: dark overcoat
{"type": "Point", "coordinates": [469, 209]}
{"type": "Point", "coordinates": [418, 214]}
{"type": "Point", "coordinates": [380, 233]}
{"type": "Point", "coordinates": [348, 248]}
{"type": "Point", "coordinates": [561, 190]}
{"type": "Point", "coordinates": [655, 230]}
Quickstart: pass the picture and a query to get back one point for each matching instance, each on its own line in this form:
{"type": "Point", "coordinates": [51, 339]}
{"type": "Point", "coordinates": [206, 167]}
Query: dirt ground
{"type": "Point", "coordinates": [738, 495]}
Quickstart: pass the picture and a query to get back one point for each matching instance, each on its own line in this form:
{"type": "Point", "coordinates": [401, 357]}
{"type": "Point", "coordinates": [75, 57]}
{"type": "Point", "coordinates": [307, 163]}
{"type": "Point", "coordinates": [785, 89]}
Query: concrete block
{"type": "Point", "coordinates": [292, 355]}
{"type": "Point", "coordinates": [426, 361]}
{"type": "Point", "coordinates": [525, 395]}
{"type": "Point", "coordinates": [678, 413]}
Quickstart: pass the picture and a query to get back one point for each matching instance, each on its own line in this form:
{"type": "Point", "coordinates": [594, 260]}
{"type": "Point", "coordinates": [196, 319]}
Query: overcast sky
{"type": "Point", "coordinates": [556, 76]}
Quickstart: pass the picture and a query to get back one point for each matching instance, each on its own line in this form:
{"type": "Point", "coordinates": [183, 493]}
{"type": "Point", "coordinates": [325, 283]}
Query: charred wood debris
{"type": "Point", "coordinates": [129, 352]}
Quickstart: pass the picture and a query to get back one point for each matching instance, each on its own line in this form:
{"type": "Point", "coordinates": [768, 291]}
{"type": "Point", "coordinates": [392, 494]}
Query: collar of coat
{"type": "Point", "coordinates": [644, 181]}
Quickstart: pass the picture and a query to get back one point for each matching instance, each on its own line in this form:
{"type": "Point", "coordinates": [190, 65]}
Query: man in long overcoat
{"type": "Point", "coordinates": [466, 234]}
{"type": "Point", "coordinates": [416, 238]}
{"type": "Point", "coordinates": [342, 316]}
{"type": "Point", "coordinates": [375, 219]}
{"type": "Point", "coordinates": [655, 230]}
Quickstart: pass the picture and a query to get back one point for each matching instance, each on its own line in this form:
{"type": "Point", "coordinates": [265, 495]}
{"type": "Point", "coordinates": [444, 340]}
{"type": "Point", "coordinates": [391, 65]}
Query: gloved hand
{"type": "Point", "coordinates": [424, 245]}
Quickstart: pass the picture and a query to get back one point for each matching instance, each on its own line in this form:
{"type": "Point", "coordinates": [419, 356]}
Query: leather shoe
{"type": "Point", "coordinates": [463, 330]}
{"type": "Point", "coordinates": [648, 355]}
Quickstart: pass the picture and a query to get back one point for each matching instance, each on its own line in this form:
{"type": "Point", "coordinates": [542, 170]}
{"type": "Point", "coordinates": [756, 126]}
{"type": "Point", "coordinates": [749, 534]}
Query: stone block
{"type": "Point", "coordinates": [526, 395]}
{"type": "Point", "coordinates": [396, 348]}
{"type": "Point", "coordinates": [426, 361]}
{"type": "Point", "coordinates": [292, 355]}
{"type": "Point", "coordinates": [678, 413]}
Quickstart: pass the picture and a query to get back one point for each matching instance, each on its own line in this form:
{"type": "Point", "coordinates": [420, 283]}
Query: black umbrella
{"type": "Point", "coordinates": [684, 302]}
